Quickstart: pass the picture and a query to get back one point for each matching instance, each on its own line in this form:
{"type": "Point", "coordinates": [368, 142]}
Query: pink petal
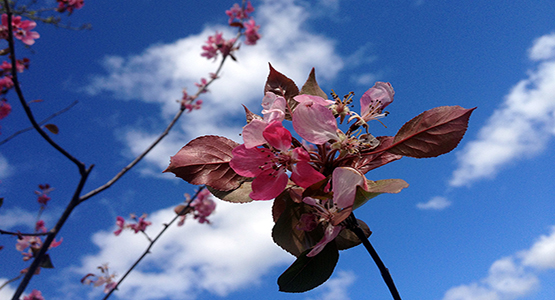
{"type": "Point", "coordinates": [277, 136]}
{"type": "Point", "coordinates": [381, 91]}
{"type": "Point", "coordinates": [268, 185]}
{"type": "Point", "coordinates": [314, 99]}
{"type": "Point", "coordinates": [315, 123]}
{"type": "Point", "coordinates": [248, 162]}
{"type": "Point", "coordinates": [344, 183]}
{"type": "Point", "coordinates": [274, 108]}
{"type": "Point", "coordinates": [304, 175]}
{"type": "Point", "coordinates": [330, 234]}
{"type": "Point", "coordinates": [252, 133]}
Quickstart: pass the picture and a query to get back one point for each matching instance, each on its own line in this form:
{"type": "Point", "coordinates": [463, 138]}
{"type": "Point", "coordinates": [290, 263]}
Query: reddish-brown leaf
{"type": "Point", "coordinates": [311, 87]}
{"type": "Point", "coordinates": [280, 85]}
{"type": "Point", "coordinates": [205, 160]}
{"type": "Point", "coordinates": [52, 128]}
{"type": "Point", "coordinates": [434, 132]}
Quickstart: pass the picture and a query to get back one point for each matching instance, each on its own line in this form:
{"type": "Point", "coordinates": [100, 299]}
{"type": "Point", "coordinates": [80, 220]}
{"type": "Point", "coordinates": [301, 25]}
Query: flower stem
{"type": "Point", "coordinates": [355, 228]}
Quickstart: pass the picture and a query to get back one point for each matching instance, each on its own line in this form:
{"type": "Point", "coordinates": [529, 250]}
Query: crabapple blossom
{"type": "Point", "coordinates": [313, 120]}
{"type": "Point", "coordinates": [22, 29]}
{"type": "Point", "coordinates": [5, 107]}
{"type": "Point", "coordinates": [237, 12]}
{"type": "Point", "coordinates": [375, 100]}
{"type": "Point", "coordinates": [34, 295]}
{"type": "Point", "coordinates": [217, 44]}
{"type": "Point", "coordinates": [106, 279]}
{"type": "Point", "coordinates": [268, 165]}
{"type": "Point", "coordinates": [69, 5]}
{"type": "Point", "coordinates": [251, 32]}
{"type": "Point", "coordinates": [331, 212]}
{"type": "Point", "coordinates": [120, 223]}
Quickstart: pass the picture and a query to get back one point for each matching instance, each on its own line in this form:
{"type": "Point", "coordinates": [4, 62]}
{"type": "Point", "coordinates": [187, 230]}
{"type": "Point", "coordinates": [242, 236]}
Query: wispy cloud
{"type": "Point", "coordinates": [230, 254]}
{"type": "Point", "coordinates": [15, 217]}
{"type": "Point", "coordinates": [5, 168]}
{"type": "Point", "coordinates": [436, 203]}
{"type": "Point", "coordinates": [520, 127]}
{"type": "Point", "coordinates": [159, 74]}
{"type": "Point", "coordinates": [511, 277]}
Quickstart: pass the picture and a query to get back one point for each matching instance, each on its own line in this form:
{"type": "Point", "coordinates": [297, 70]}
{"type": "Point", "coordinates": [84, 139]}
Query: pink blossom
{"type": "Point", "coordinates": [120, 223]}
{"type": "Point", "coordinates": [141, 224]}
{"type": "Point", "coordinates": [344, 183]}
{"type": "Point", "coordinates": [69, 5]}
{"type": "Point", "coordinates": [203, 206]}
{"type": "Point", "coordinates": [22, 29]}
{"type": "Point", "coordinates": [274, 111]}
{"type": "Point", "coordinates": [6, 83]}
{"type": "Point", "coordinates": [43, 197]}
{"type": "Point", "coordinates": [251, 32]}
{"type": "Point", "coordinates": [5, 107]}
{"type": "Point", "coordinates": [237, 12]}
{"type": "Point", "coordinates": [217, 44]}
{"type": "Point", "coordinates": [34, 295]}
{"type": "Point", "coordinates": [39, 226]}
{"type": "Point", "coordinates": [375, 100]}
{"type": "Point", "coordinates": [313, 121]}
{"type": "Point", "coordinates": [268, 165]}
{"type": "Point", "coordinates": [106, 279]}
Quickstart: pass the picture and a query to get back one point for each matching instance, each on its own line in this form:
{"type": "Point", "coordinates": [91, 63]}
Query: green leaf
{"type": "Point", "coordinates": [307, 273]}
{"type": "Point", "coordinates": [311, 87]}
{"type": "Point", "coordinates": [238, 195]}
{"type": "Point", "coordinates": [375, 188]}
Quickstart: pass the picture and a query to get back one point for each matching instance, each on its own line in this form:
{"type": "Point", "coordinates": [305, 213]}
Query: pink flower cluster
{"type": "Point", "coordinates": [21, 29]}
{"type": "Point", "coordinates": [105, 279]}
{"type": "Point", "coordinates": [69, 5]}
{"type": "Point", "coordinates": [6, 82]}
{"type": "Point", "coordinates": [269, 153]}
{"type": "Point", "coordinates": [202, 207]}
{"type": "Point", "coordinates": [238, 17]}
{"type": "Point", "coordinates": [34, 295]}
{"type": "Point", "coordinates": [33, 243]}
{"type": "Point", "coordinates": [43, 197]}
{"type": "Point", "coordinates": [139, 226]}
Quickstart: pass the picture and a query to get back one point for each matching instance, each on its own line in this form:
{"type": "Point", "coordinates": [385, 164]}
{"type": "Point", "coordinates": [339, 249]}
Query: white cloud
{"type": "Point", "coordinates": [5, 169]}
{"type": "Point", "coordinates": [230, 254]}
{"type": "Point", "coordinates": [7, 291]}
{"type": "Point", "coordinates": [511, 277]}
{"type": "Point", "coordinates": [436, 203]}
{"type": "Point", "coordinates": [520, 127]}
{"type": "Point", "coordinates": [16, 216]}
{"type": "Point", "coordinates": [337, 287]}
{"type": "Point", "coordinates": [544, 48]}
{"type": "Point", "coordinates": [542, 254]}
{"type": "Point", "coordinates": [159, 74]}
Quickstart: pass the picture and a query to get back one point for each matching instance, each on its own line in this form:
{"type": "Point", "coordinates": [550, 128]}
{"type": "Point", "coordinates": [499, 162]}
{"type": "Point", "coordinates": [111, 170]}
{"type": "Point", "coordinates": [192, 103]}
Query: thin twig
{"type": "Point", "coordinates": [201, 90]}
{"type": "Point", "coordinates": [41, 122]}
{"type": "Point", "coordinates": [28, 112]}
{"type": "Point", "coordinates": [355, 228]}
{"type": "Point", "coordinates": [147, 251]}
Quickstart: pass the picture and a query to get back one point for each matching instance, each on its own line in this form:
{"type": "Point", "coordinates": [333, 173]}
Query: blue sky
{"type": "Point", "coordinates": [477, 223]}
